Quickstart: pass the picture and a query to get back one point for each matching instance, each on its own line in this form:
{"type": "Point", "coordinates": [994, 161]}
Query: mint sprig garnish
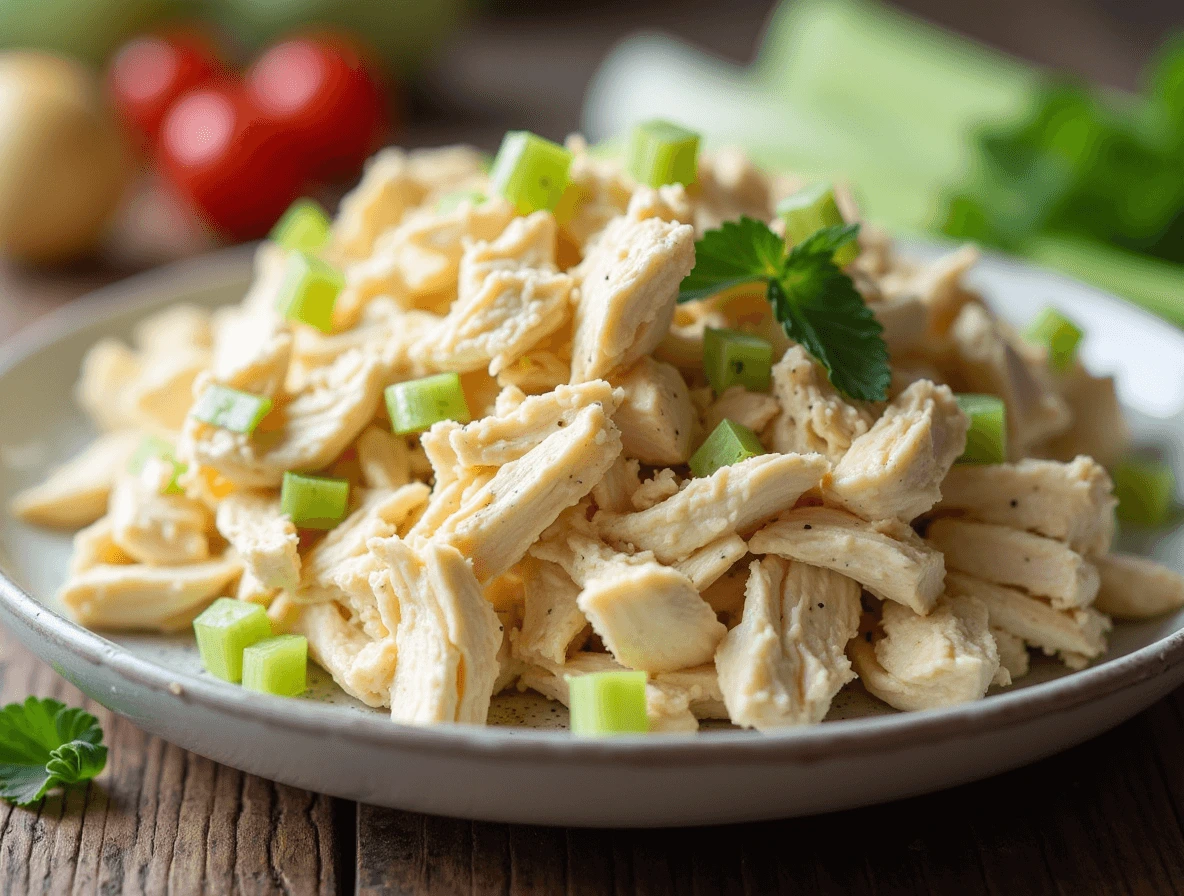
{"type": "Point", "coordinates": [816, 303]}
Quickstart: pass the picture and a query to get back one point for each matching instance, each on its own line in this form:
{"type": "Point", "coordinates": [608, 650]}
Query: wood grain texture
{"type": "Point", "coordinates": [1101, 819]}
{"type": "Point", "coordinates": [160, 819]}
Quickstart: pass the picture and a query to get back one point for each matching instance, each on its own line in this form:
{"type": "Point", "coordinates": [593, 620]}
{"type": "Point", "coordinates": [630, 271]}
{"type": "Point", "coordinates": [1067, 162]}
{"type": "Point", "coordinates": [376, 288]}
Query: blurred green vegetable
{"type": "Point", "coordinates": [87, 29]}
{"type": "Point", "coordinates": [402, 32]}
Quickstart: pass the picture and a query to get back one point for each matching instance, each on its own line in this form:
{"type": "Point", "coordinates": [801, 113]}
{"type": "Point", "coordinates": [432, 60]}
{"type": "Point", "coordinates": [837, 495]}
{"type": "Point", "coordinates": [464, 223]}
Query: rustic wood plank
{"type": "Point", "coordinates": [160, 819]}
{"type": "Point", "coordinates": [1101, 819]}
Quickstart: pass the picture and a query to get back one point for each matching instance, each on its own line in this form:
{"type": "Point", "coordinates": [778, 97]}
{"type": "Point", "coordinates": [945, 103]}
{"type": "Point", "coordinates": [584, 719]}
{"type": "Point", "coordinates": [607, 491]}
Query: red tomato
{"type": "Point", "coordinates": [232, 165]}
{"type": "Point", "coordinates": [150, 72]}
{"type": "Point", "coordinates": [319, 91]}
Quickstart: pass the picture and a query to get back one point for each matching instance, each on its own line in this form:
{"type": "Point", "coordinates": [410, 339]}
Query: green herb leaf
{"type": "Point", "coordinates": [813, 300]}
{"type": "Point", "coordinates": [44, 743]}
{"type": "Point", "coordinates": [821, 310]}
{"type": "Point", "coordinates": [744, 251]}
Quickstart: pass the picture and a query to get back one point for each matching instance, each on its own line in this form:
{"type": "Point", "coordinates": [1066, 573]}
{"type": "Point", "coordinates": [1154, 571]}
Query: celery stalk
{"type": "Point", "coordinates": [1155, 285]}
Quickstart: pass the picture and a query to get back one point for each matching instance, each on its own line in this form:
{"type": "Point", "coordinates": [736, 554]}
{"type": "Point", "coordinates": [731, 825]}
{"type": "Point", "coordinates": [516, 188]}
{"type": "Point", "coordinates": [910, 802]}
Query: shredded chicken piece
{"type": "Point", "coordinates": [732, 499]}
{"type": "Point", "coordinates": [136, 597]}
{"type": "Point", "coordinates": [886, 557]}
{"type": "Point", "coordinates": [95, 546]}
{"type": "Point", "coordinates": [755, 410]}
{"type": "Point", "coordinates": [332, 408]}
{"type": "Point", "coordinates": [448, 635]}
{"type": "Point", "coordinates": [916, 662]}
{"type": "Point", "coordinates": [75, 493]}
{"type": "Point", "coordinates": [1013, 654]}
{"type": "Point", "coordinates": [786, 660]}
{"type": "Point", "coordinates": [362, 667]}
{"type": "Point", "coordinates": [1078, 635]}
{"type": "Point", "coordinates": [1071, 502]}
{"type": "Point", "coordinates": [814, 417]}
{"type": "Point", "coordinates": [649, 616]}
{"type": "Point", "coordinates": [620, 483]}
{"type": "Point", "coordinates": [990, 363]}
{"type": "Point", "coordinates": [552, 621]}
{"type": "Point", "coordinates": [662, 485]}
{"type": "Point", "coordinates": [1006, 556]}
{"type": "Point", "coordinates": [1136, 587]}
{"type": "Point", "coordinates": [157, 528]}
{"type": "Point", "coordinates": [263, 536]}
{"type": "Point", "coordinates": [385, 459]}
{"type": "Point", "coordinates": [496, 524]}
{"type": "Point", "coordinates": [896, 468]}
{"type": "Point", "coordinates": [628, 288]}
{"type": "Point", "coordinates": [656, 417]}
{"type": "Point", "coordinates": [706, 565]}
{"type": "Point", "coordinates": [1099, 429]}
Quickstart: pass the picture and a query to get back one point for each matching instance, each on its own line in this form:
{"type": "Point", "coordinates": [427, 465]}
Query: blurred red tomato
{"type": "Point", "coordinates": [150, 72]}
{"type": "Point", "coordinates": [320, 93]}
{"type": "Point", "coordinates": [234, 166]}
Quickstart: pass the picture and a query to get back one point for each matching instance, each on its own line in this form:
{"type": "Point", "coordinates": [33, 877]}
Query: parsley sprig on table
{"type": "Point", "coordinates": [44, 743]}
{"type": "Point", "coordinates": [813, 300]}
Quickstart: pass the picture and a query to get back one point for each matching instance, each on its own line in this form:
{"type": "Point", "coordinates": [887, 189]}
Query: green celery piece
{"type": "Point", "coordinates": [224, 630]}
{"type": "Point", "coordinates": [729, 443]}
{"type": "Point", "coordinates": [277, 665]}
{"type": "Point", "coordinates": [732, 358]}
{"type": "Point", "coordinates": [304, 226]}
{"type": "Point", "coordinates": [986, 441]}
{"type": "Point", "coordinates": [1150, 283]}
{"type": "Point", "coordinates": [230, 409]}
{"type": "Point", "coordinates": [891, 72]}
{"type": "Point", "coordinates": [415, 405]}
{"type": "Point", "coordinates": [530, 172]}
{"type": "Point", "coordinates": [1059, 335]}
{"type": "Point", "coordinates": [607, 703]}
{"type": "Point", "coordinates": [1145, 490]}
{"type": "Point", "coordinates": [310, 291]}
{"type": "Point", "coordinates": [154, 446]}
{"type": "Point", "coordinates": [662, 153]}
{"type": "Point", "coordinates": [450, 202]}
{"type": "Point", "coordinates": [314, 502]}
{"type": "Point", "coordinates": [809, 210]}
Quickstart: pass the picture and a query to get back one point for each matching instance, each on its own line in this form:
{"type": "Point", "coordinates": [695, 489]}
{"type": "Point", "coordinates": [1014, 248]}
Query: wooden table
{"type": "Point", "coordinates": [1104, 818]}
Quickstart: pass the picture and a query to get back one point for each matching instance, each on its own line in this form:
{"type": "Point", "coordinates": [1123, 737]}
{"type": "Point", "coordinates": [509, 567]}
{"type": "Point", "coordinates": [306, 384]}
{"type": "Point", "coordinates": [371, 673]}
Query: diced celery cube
{"type": "Point", "coordinates": [310, 291]}
{"type": "Point", "coordinates": [224, 630]}
{"type": "Point", "coordinates": [415, 405]}
{"type": "Point", "coordinates": [733, 358]}
{"type": "Point", "coordinates": [530, 172]}
{"type": "Point", "coordinates": [729, 443]}
{"type": "Point", "coordinates": [1059, 335]}
{"type": "Point", "coordinates": [230, 409]}
{"type": "Point", "coordinates": [662, 153]}
{"type": "Point", "coordinates": [304, 226]}
{"type": "Point", "coordinates": [314, 502]}
{"type": "Point", "coordinates": [605, 703]}
{"type": "Point", "coordinates": [450, 202]}
{"type": "Point", "coordinates": [810, 210]}
{"type": "Point", "coordinates": [154, 446]}
{"type": "Point", "coordinates": [1145, 490]}
{"type": "Point", "coordinates": [986, 441]}
{"type": "Point", "coordinates": [277, 665]}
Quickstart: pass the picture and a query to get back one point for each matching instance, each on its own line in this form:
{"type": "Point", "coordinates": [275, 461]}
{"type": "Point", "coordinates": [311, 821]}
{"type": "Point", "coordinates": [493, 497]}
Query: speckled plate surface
{"type": "Point", "coordinates": [539, 774]}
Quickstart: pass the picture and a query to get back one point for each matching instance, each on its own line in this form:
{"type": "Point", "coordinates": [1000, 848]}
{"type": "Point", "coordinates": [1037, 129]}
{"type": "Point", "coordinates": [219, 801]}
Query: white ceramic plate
{"type": "Point", "coordinates": [327, 742]}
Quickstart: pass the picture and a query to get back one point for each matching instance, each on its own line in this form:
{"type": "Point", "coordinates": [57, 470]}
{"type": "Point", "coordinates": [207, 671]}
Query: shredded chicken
{"type": "Point", "coordinates": [896, 468]}
{"type": "Point", "coordinates": [786, 660]}
{"type": "Point", "coordinates": [916, 662]}
{"type": "Point", "coordinates": [557, 529]}
{"type": "Point", "coordinates": [887, 558]}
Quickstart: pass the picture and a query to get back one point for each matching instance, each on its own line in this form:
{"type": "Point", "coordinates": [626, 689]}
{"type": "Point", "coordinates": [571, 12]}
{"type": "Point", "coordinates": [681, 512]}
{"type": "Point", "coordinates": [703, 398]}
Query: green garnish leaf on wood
{"type": "Point", "coordinates": [43, 744]}
{"type": "Point", "coordinates": [816, 303]}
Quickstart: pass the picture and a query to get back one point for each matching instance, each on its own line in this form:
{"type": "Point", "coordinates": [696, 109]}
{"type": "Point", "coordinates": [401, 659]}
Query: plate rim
{"type": "Point", "coordinates": [837, 739]}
